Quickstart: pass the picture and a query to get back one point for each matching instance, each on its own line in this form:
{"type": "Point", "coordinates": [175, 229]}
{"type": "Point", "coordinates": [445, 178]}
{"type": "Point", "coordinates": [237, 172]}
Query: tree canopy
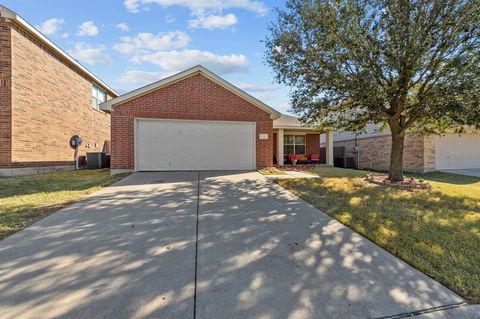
{"type": "Point", "coordinates": [405, 63]}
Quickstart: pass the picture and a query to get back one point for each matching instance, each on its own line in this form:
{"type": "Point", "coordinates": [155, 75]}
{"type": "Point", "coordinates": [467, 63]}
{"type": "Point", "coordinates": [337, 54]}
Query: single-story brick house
{"type": "Point", "coordinates": [422, 153]}
{"type": "Point", "coordinates": [45, 98]}
{"type": "Point", "coordinates": [291, 137]}
{"type": "Point", "coordinates": [195, 120]}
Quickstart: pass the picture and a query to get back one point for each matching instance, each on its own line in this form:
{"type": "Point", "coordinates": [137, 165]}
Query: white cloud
{"type": "Point", "coordinates": [144, 42]}
{"type": "Point", "coordinates": [213, 21]}
{"type": "Point", "coordinates": [50, 26]}
{"type": "Point", "coordinates": [174, 61]}
{"type": "Point", "coordinates": [131, 5]}
{"type": "Point", "coordinates": [87, 28]}
{"type": "Point", "coordinates": [202, 6]}
{"type": "Point", "coordinates": [138, 77]}
{"type": "Point", "coordinates": [257, 87]}
{"type": "Point", "coordinates": [123, 27]}
{"type": "Point", "coordinates": [89, 54]}
{"type": "Point", "coordinates": [65, 35]}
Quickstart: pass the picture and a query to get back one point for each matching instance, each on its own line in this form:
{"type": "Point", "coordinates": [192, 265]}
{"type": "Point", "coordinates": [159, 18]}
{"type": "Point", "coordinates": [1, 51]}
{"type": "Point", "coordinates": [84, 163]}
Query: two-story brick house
{"type": "Point", "coordinates": [45, 98]}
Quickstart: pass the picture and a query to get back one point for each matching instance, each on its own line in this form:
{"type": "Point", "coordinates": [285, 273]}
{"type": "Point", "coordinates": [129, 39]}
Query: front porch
{"type": "Point", "coordinates": [291, 140]}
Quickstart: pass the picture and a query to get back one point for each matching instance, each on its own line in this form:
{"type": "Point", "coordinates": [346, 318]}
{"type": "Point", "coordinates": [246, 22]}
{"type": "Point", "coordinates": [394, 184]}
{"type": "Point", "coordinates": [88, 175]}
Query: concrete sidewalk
{"type": "Point", "coordinates": [130, 251]}
{"type": "Point", "coordinates": [292, 174]}
{"type": "Point", "coordinates": [474, 172]}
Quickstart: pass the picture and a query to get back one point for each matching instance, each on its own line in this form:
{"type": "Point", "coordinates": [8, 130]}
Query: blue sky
{"type": "Point", "coordinates": [130, 43]}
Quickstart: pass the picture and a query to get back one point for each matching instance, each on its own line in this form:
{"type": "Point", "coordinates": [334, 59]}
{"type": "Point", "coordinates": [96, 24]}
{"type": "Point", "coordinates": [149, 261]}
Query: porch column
{"type": "Point", "coordinates": [329, 147]}
{"type": "Point", "coordinates": [279, 142]}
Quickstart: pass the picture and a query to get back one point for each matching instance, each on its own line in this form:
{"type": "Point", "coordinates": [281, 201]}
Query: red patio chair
{"type": "Point", "coordinates": [315, 157]}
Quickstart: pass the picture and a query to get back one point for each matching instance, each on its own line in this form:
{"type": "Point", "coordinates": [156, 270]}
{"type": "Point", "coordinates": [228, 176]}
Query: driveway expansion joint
{"type": "Point", "coordinates": [196, 249]}
{"type": "Point", "coordinates": [416, 313]}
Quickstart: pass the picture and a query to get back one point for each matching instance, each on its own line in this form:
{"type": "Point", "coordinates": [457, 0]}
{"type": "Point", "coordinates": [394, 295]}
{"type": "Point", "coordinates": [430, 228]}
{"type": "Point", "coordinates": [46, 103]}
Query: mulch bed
{"type": "Point", "coordinates": [409, 182]}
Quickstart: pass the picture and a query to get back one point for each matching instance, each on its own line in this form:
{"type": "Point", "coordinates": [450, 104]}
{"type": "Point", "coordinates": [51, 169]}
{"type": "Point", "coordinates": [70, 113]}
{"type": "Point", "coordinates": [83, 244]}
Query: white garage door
{"type": "Point", "coordinates": [457, 152]}
{"type": "Point", "coordinates": [194, 145]}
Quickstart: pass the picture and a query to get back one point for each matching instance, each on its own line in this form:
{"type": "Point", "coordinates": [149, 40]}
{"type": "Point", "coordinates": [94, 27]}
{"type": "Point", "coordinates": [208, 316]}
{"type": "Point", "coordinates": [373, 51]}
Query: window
{"type": "Point", "coordinates": [294, 144]}
{"type": "Point", "coordinates": [98, 96]}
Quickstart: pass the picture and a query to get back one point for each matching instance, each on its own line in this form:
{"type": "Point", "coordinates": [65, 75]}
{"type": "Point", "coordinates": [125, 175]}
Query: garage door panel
{"type": "Point", "coordinates": [453, 151]}
{"type": "Point", "coordinates": [195, 145]}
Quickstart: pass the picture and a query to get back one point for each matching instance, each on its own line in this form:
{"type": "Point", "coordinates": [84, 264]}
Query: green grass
{"type": "Point", "coordinates": [26, 199]}
{"type": "Point", "coordinates": [437, 231]}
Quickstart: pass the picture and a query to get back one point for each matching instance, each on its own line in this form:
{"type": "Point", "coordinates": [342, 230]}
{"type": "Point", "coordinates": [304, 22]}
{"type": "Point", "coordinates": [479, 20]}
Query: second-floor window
{"type": "Point", "coordinates": [98, 96]}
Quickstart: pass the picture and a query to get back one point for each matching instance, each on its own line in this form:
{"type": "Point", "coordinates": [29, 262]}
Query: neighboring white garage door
{"type": "Point", "coordinates": [457, 152]}
{"type": "Point", "coordinates": [194, 145]}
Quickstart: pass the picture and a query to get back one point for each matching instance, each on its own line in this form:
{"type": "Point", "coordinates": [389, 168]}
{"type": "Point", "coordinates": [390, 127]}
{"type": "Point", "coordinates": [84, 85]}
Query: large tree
{"type": "Point", "coordinates": [406, 64]}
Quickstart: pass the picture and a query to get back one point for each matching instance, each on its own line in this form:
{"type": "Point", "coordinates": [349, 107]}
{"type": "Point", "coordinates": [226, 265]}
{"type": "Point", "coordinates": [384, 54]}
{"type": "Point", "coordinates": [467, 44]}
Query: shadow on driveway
{"type": "Point", "coordinates": [129, 251]}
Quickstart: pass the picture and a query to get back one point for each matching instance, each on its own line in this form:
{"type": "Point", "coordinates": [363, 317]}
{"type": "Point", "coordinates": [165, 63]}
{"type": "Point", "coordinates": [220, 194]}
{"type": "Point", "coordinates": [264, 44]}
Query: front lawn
{"type": "Point", "coordinates": [437, 231]}
{"type": "Point", "coordinates": [270, 171]}
{"type": "Point", "coordinates": [26, 199]}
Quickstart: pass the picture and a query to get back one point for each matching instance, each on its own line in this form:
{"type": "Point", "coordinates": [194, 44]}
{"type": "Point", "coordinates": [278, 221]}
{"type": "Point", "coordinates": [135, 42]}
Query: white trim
{"type": "Point", "coordinates": [135, 135]}
{"type": "Point", "coordinates": [9, 14]}
{"type": "Point", "coordinates": [294, 133]}
{"type": "Point", "coordinates": [280, 155]}
{"type": "Point", "coordinates": [329, 148]}
{"type": "Point", "coordinates": [254, 143]}
{"type": "Point", "coordinates": [107, 106]}
{"type": "Point", "coordinates": [135, 143]}
{"type": "Point", "coordinates": [300, 131]}
{"type": "Point", "coordinates": [304, 128]}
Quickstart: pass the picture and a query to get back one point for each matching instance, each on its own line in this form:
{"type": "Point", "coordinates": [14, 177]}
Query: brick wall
{"type": "Point", "coordinates": [429, 153]}
{"type": "Point", "coordinates": [50, 102]}
{"type": "Point", "coordinates": [193, 98]}
{"type": "Point", "coordinates": [419, 152]}
{"type": "Point", "coordinates": [5, 94]}
{"type": "Point", "coordinates": [312, 144]}
{"type": "Point", "coordinates": [275, 146]}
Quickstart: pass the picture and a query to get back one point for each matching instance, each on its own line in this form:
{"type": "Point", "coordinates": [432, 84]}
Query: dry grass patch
{"type": "Point", "coordinates": [271, 171]}
{"type": "Point", "coordinates": [435, 230]}
{"type": "Point", "coordinates": [26, 199]}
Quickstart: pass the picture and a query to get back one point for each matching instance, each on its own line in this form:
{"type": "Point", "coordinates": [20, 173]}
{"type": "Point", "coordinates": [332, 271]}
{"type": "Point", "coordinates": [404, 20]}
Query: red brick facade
{"type": "Point", "coordinates": [5, 94]}
{"type": "Point", "coordinates": [193, 98]}
{"type": "Point", "coordinates": [312, 143]}
{"type": "Point", "coordinates": [275, 147]}
{"type": "Point", "coordinates": [44, 100]}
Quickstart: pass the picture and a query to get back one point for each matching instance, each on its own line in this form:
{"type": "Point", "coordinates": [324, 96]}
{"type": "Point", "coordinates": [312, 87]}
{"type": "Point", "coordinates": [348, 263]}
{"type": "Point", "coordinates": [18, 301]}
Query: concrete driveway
{"type": "Point", "coordinates": [205, 245]}
{"type": "Point", "coordinates": [475, 172]}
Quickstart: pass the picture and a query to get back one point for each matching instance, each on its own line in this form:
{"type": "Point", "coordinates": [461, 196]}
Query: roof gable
{"type": "Point", "coordinates": [109, 105]}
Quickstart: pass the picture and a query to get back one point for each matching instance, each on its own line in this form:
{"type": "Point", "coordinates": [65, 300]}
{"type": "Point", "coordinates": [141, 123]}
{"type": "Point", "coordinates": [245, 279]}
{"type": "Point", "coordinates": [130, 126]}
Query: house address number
{"type": "Point", "coordinates": [263, 136]}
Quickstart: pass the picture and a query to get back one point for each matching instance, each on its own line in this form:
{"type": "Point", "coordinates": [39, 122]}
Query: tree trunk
{"type": "Point", "coordinates": [395, 172]}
